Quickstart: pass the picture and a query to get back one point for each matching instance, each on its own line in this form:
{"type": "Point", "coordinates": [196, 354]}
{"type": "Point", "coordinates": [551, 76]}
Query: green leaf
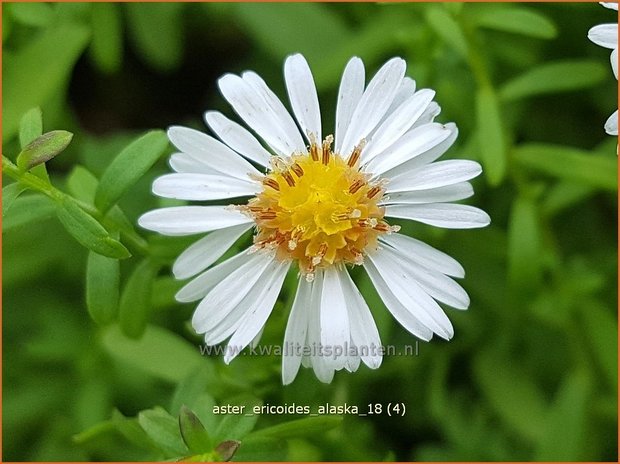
{"type": "Point", "coordinates": [306, 427]}
{"type": "Point", "coordinates": [190, 389]}
{"type": "Point", "coordinates": [227, 449]}
{"type": "Point", "coordinates": [193, 432]}
{"type": "Point", "coordinates": [88, 231]}
{"type": "Point", "coordinates": [565, 431]}
{"type": "Point", "coordinates": [255, 449]}
{"type": "Point", "coordinates": [569, 164]}
{"type": "Point", "coordinates": [163, 429]}
{"type": "Point", "coordinates": [491, 136]}
{"type": "Point", "coordinates": [512, 394]}
{"type": "Point", "coordinates": [564, 195]}
{"type": "Point", "coordinates": [445, 26]}
{"type": "Point", "coordinates": [30, 126]}
{"type": "Point", "coordinates": [31, 78]}
{"type": "Point", "coordinates": [34, 14]}
{"type": "Point", "coordinates": [128, 167]}
{"type": "Point", "coordinates": [159, 353]}
{"type": "Point", "coordinates": [102, 287]}
{"type": "Point", "coordinates": [156, 32]}
{"type": "Point", "coordinates": [517, 20]}
{"type": "Point", "coordinates": [560, 76]}
{"type": "Point", "coordinates": [106, 47]}
{"type": "Point", "coordinates": [600, 329]}
{"type": "Point", "coordinates": [26, 210]}
{"type": "Point", "coordinates": [43, 149]}
{"type": "Point", "coordinates": [524, 247]}
{"type": "Point", "coordinates": [10, 193]}
{"type": "Point", "coordinates": [258, 20]}
{"type": "Point", "coordinates": [237, 426]}
{"type": "Point", "coordinates": [135, 304]}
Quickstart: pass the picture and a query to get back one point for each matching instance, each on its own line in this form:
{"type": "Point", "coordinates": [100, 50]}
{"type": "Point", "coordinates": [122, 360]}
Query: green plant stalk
{"type": "Point", "coordinates": [135, 241]}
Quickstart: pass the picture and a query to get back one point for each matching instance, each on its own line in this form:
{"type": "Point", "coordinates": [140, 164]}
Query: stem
{"type": "Point", "coordinates": [135, 241]}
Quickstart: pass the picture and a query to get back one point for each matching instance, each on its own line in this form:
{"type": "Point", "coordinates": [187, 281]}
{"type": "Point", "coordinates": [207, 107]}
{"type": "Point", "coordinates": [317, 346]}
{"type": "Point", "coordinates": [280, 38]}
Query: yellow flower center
{"type": "Point", "coordinates": [319, 209]}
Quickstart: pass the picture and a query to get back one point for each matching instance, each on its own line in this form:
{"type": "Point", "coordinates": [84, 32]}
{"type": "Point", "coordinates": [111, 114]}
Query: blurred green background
{"type": "Point", "coordinates": [531, 373]}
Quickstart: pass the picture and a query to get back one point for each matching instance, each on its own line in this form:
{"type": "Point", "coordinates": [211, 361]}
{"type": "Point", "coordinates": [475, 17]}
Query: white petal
{"type": "Point", "coordinates": [188, 220]}
{"type": "Point", "coordinates": [407, 290]}
{"type": "Point", "coordinates": [198, 287]}
{"type": "Point", "coordinates": [319, 364]}
{"type": "Point", "coordinates": [229, 292]}
{"type": "Point", "coordinates": [611, 125]}
{"type": "Point", "coordinates": [424, 254]}
{"type": "Point", "coordinates": [403, 315]}
{"type": "Point", "coordinates": [206, 251]}
{"type": "Point", "coordinates": [604, 35]}
{"type": "Point", "coordinates": [436, 284]}
{"type": "Point", "coordinates": [405, 91]}
{"type": "Point", "coordinates": [374, 103]}
{"type": "Point", "coordinates": [448, 193]}
{"type": "Point", "coordinates": [210, 151]}
{"type": "Point", "coordinates": [364, 333]}
{"type": "Point", "coordinates": [303, 97]}
{"type": "Point", "coordinates": [610, 5]}
{"type": "Point", "coordinates": [349, 94]}
{"type": "Point", "coordinates": [398, 123]}
{"type": "Point", "coordinates": [427, 157]}
{"type": "Point", "coordinates": [237, 137]}
{"type": "Point", "coordinates": [182, 162]}
{"type": "Point", "coordinates": [414, 143]}
{"type": "Point", "coordinates": [447, 215]}
{"type": "Point", "coordinates": [261, 307]}
{"type": "Point", "coordinates": [296, 330]}
{"type": "Point", "coordinates": [203, 187]}
{"type": "Point", "coordinates": [250, 105]}
{"type": "Point", "coordinates": [335, 331]}
{"type": "Point", "coordinates": [279, 111]}
{"type": "Point", "coordinates": [614, 62]}
{"type": "Point", "coordinates": [429, 115]}
{"type": "Point", "coordinates": [439, 174]}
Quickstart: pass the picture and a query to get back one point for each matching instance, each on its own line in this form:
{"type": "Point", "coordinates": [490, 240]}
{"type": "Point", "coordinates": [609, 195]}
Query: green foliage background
{"type": "Point", "coordinates": [531, 373]}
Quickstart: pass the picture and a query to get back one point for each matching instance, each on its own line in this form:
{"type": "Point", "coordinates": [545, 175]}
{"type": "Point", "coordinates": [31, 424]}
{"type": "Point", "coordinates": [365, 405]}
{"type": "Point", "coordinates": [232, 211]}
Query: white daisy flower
{"type": "Point", "coordinates": [321, 205]}
{"type": "Point", "coordinates": [606, 35]}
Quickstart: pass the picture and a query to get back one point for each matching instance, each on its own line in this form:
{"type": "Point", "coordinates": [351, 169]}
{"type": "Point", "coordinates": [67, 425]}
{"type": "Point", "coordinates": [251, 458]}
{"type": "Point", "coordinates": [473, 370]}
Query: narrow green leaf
{"type": "Point", "coordinates": [193, 432]}
{"type": "Point", "coordinates": [190, 389]}
{"type": "Point", "coordinates": [569, 164]}
{"type": "Point", "coordinates": [88, 231]}
{"type": "Point", "coordinates": [560, 76]}
{"type": "Point", "coordinates": [564, 195]}
{"type": "Point", "coordinates": [106, 47]}
{"type": "Point", "coordinates": [129, 166]}
{"type": "Point", "coordinates": [156, 31]}
{"type": "Point", "coordinates": [30, 126]}
{"type": "Point", "coordinates": [102, 287]}
{"type": "Point", "coordinates": [491, 136]}
{"type": "Point", "coordinates": [444, 25]}
{"type": "Point", "coordinates": [34, 14]}
{"type": "Point", "coordinates": [33, 78]}
{"type": "Point", "coordinates": [159, 353]}
{"type": "Point", "coordinates": [43, 149]}
{"type": "Point", "coordinates": [135, 304]}
{"type": "Point", "coordinates": [600, 329]}
{"type": "Point", "coordinates": [524, 247]}
{"type": "Point", "coordinates": [258, 19]}
{"type": "Point", "coordinates": [9, 195]}
{"type": "Point", "coordinates": [307, 427]}
{"type": "Point", "coordinates": [566, 427]}
{"type": "Point", "coordinates": [237, 426]}
{"type": "Point", "coordinates": [262, 449]}
{"type": "Point", "coordinates": [163, 429]}
{"type": "Point", "coordinates": [28, 209]}
{"type": "Point", "coordinates": [512, 393]}
{"type": "Point", "coordinates": [518, 20]}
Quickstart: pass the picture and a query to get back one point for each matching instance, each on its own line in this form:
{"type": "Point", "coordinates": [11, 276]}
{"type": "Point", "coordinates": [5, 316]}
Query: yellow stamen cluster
{"type": "Point", "coordinates": [319, 209]}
